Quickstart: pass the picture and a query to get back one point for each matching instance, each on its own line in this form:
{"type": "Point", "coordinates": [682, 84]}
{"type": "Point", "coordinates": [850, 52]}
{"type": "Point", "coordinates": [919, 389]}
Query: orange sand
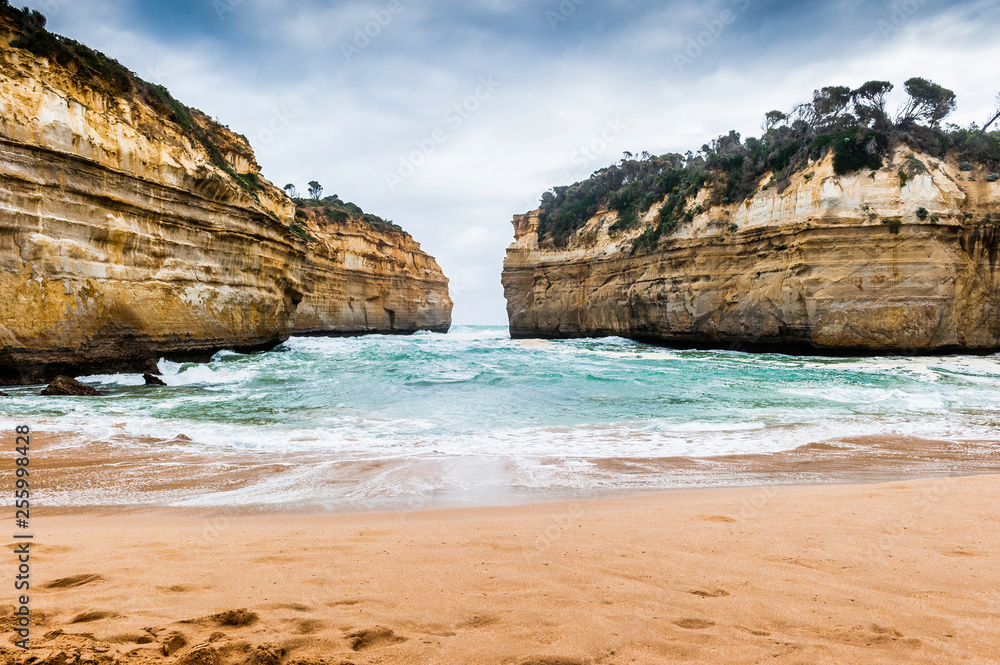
{"type": "Point", "coordinates": [892, 573]}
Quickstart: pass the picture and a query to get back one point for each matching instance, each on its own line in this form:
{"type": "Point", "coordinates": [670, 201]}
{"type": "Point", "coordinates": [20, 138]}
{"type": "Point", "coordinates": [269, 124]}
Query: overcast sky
{"type": "Point", "coordinates": [449, 117]}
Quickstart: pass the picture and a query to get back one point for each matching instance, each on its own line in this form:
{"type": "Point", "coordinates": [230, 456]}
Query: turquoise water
{"type": "Point", "coordinates": [477, 417]}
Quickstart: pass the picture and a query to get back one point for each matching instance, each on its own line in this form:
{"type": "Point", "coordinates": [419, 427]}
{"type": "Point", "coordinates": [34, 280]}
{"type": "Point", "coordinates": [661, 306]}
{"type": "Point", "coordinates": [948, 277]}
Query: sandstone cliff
{"type": "Point", "coordinates": [361, 277]}
{"type": "Point", "coordinates": [133, 228]}
{"type": "Point", "coordinates": [870, 262]}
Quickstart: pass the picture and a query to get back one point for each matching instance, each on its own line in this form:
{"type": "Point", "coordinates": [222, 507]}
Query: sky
{"type": "Point", "coordinates": [449, 117]}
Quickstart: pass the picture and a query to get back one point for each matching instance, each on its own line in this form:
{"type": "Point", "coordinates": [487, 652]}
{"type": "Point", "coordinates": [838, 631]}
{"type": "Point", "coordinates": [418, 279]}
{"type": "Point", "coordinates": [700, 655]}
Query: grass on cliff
{"type": "Point", "coordinates": [110, 76]}
{"type": "Point", "coordinates": [340, 212]}
{"type": "Point", "coordinates": [854, 125]}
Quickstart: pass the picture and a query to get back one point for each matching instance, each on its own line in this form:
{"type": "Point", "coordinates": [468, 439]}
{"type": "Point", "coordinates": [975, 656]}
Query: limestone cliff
{"type": "Point", "coordinates": [876, 261]}
{"type": "Point", "coordinates": [123, 237]}
{"type": "Point", "coordinates": [133, 228]}
{"type": "Point", "coordinates": [361, 277]}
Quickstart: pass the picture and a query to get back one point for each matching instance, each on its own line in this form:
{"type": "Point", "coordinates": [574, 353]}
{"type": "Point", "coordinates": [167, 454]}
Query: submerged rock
{"type": "Point", "coordinates": [65, 386]}
{"type": "Point", "coordinates": [152, 380]}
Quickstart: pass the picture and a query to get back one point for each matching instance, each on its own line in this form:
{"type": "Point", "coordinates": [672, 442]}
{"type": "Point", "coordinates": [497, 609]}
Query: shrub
{"type": "Point", "coordinates": [922, 214]}
{"type": "Point", "coordinates": [854, 148]}
{"type": "Point", "coordinates": [993, 177]}
{"type": "Point", "coordinates": [853, 125]}
{"type": "Point", "coordinates": [893, 224]}
{"type": "Point", "coordinates": [300, 231]}
{"type": "Point", "coordinates": [965, 166]}
{"type": "Point", "coordinates": [340, 212]}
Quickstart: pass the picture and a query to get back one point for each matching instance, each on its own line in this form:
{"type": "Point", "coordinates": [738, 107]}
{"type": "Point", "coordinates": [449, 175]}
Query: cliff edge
{"type": "Point", "coordinates": [134, 228]}
{"type": "Point", "coordinates": [364, 275]}
{"type": "Point", "coordinates": [897, 253]}
{"type": "Point", "coordinates": [131, 227]}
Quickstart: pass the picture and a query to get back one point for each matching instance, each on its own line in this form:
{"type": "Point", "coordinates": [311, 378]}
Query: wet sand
{"type": "Point", "coordinates": [150, 473]}
{"type": "Point", "coordinates": [899, 572]}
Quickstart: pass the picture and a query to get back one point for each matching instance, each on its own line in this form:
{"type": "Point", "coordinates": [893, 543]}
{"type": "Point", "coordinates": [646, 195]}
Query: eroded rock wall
{"type": "Point", "coordinates": [363, 279]}
{"type": "Point", "coordinates": [817, 267]}
{"type": "Point", "coordinates": [121, 238]}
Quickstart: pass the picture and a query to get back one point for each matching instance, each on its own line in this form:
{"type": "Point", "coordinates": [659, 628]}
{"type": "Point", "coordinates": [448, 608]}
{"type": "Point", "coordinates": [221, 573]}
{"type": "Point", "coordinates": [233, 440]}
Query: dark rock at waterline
{"type": "Point", "coordinates": [3, 394]}
{"type": "Point", "coordinates": [64, 385]}
{"type": "Point", "coordinates": [152, 380]}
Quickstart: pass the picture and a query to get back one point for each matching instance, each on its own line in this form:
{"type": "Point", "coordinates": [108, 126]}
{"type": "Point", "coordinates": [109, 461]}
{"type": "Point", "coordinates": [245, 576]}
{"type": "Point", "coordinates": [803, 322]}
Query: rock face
{"type": "Point", "coordinates": [123, 239]}
{"type": "Point", "coordinates": [869, 263]}
{"type": "Point", "coordinates": [360, 278]}
{"type": "Point", "coordinates": [134, 228]}
{"type": "Point", "coordinates": [152, 380]}
{"type": "Point", "coordinates": [63, 385]}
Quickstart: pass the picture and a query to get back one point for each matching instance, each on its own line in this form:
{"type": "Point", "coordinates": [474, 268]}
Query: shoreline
{"type": "Point", "coordinates": [317, 510]}
{"type": "Point", "coordinates": [891, 572]}
{"type": "Point", "coordinates": [123, 474]}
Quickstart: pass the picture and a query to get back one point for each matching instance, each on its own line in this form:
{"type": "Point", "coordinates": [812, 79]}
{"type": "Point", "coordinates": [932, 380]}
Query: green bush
{"type": "Point", "coordinates": [965, 166]}
{"type": "Point", "coordinates": [922, 214]}
{"type": "Point", "coordinates": [853, 125]}
{"type": "Point", "coordinates": [300, 231]}
{"type": "Point", "coordinates": [340, 212]}
{"type": "Point", "coordinates": [893, 224]}
{"type": "Point", "coordinates": [993, 177]}
{"type": "Point", "coordinates": [854, 148]}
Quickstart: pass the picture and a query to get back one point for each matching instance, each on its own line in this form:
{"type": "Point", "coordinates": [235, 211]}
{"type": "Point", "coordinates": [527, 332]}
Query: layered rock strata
{"type": "Point", "coordinates": [870, 262]}
{"type": "Point", "coordinates": [361, 278]}
{"type": "Point", "coordinates": [134, 228]}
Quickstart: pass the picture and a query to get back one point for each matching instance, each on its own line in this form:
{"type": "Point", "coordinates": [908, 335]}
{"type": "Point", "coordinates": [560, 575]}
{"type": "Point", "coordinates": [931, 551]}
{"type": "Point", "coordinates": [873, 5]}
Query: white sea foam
{"type": "Point", "coordinates": [476, 413]}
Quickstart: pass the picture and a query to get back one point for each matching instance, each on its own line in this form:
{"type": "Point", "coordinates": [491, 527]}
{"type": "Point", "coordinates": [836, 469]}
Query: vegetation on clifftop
{"type": "Point", "coordinates": [111, 77]}
{"type": "Point", "coordinates": [853, 124]}
{"type": "Point", "coordinates": [337, 211]}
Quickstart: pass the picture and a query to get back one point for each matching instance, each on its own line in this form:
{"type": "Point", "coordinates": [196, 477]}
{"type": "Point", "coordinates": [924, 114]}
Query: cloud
{"type": "Point", "coordinates": [562, 82]}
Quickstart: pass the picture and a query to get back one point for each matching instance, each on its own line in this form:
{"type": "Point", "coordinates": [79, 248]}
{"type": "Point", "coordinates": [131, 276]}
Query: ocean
{"type": "Point", "coordinates": [476, 418]}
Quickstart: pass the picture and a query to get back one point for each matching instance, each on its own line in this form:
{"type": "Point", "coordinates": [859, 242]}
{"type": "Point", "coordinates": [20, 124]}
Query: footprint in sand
{"type": "Point", "coordinates": [480, 621]}
{"type": "Point", "coordinates": [235, 618]}
{"type": "Point", "coordinates": [94, 615]}
{"type": "Point", "coordinates": [753, 631]}
{"type": "Point", "coordinates": [694, 624]}
{"type": "Point", "coordinates": [346, 603]}
{"type": "Point", "coordinates": [171, 641]}
{"type": "Point", "coordinates": [306, 626]}
{"type": "Point", "coordinates": [295, 607]}
{"type": "Point", "coordinates": [177, 588]}
{"type": "Point", "coordinates": [203, 654]}
{"type": "Point", "coordinates": [9, 622]}
{"type": "Point", "coordinates": [128, 638]}
{"type": "Point", "coordinates": [74, 581]}
{"type": "Point", "coordinates": [371, 638]}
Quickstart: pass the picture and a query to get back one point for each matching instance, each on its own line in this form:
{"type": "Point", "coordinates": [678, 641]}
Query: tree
{"type": "Point", "coordinates": [315, 190]}
{"type": "Point", "coordinates": [830, 103]}
{"type": "Point", "coordinates": [996, 116]}
{"type": "Point", "coordinates": [291, 191]}
{"type": "Point", "coordinates": [869, 104]}
{"type": "Point", "coordinates": [772, 119]}
{"type": "Point", "coordinates": [928, 101]}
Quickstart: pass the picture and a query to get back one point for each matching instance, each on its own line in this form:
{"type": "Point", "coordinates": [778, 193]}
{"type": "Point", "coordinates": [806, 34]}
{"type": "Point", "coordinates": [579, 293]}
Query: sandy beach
{"type": "Point", "coordinates": [900, 572]}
